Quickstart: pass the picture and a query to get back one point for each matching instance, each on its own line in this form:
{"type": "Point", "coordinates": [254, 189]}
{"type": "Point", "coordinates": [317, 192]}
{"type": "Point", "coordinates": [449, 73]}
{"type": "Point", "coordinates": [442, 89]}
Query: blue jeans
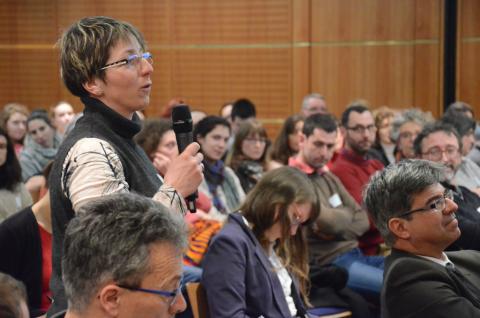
{"type": "Point", "coordinates": [365, 273]}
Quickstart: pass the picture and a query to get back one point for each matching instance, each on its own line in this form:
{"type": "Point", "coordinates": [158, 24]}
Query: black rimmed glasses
{"type": "Point", "coordinates": [436, 153]}
{"type": "Point", "coordinates": [359, 129]}
{"type": "Point", "coordinates": [169, 294]}
{"type": "Point", "coordinates": [131, 60]}
{"type": "Point", "coordinates": [437, 205]}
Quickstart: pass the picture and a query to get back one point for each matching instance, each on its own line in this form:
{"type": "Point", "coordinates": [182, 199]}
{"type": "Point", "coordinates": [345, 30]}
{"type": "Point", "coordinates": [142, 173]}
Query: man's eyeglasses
{"type": "Point", "coordinates": [359, 129]}
{"type": "Point", "coordinates": [437, 153]}
{"type": "Point", "coordinates": [438, 205]}
{"type": "Point", "coordinates": [169, 294]}
{"type": "Point", "coordinates": [131, 60]}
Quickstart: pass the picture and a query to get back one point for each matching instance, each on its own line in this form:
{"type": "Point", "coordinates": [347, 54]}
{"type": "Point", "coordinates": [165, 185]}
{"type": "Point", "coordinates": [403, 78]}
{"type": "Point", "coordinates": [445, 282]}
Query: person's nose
{"type": "Point", "coordinates": [178, 306]}
{"type": "Point", "coordinates": [450, 206]}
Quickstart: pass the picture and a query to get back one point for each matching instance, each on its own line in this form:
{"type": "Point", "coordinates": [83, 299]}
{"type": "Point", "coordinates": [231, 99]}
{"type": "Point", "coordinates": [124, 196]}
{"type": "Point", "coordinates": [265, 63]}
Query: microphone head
{"type": "Point", "coordinates": [181, 119]}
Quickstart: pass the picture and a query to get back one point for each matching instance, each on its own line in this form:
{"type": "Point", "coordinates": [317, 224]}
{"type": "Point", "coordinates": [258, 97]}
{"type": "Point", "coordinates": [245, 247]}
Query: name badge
{"type": "Point", "coordinates": [478, 209]}
{"type": "Point", "coordinates": [335, 201]}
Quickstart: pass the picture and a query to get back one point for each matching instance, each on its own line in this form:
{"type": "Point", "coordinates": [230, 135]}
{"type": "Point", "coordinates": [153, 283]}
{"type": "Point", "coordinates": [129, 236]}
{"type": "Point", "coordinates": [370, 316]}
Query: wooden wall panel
{"type": "Point", "coordinates": [384, 51]}
{"type": "Point", "coordinates": [468, 61]}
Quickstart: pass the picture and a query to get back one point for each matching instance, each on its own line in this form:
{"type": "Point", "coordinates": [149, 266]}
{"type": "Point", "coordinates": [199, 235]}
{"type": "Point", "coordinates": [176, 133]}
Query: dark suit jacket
{"type": "Point", "coordinates": [416, 287]}
{"type": "Point", "coordinates": [238, 277]}
{"type": "Point", "coordinates": [21, 255]}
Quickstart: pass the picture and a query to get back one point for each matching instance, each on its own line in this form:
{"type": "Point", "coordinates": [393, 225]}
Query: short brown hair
{"type": "Point", "coordinates": [85, 49]}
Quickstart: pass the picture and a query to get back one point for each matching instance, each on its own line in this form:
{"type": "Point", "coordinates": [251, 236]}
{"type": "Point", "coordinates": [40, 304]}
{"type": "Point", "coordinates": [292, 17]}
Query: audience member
{"type": "Point", "coordinates": [416, 216]}
{"type": "Point", "coordinates": [249, 153]}
{"type": "Point", "coordinates": [13, 193]}
{"type": "Point", "coordinates": [439, 142]}
{"type": "Point", "coordinates": [353, 167]}
{"type": "Point", "coordinates": [40, 148]}
{"type": "Point", "coordinates": [242, 110]}
{"type": "Point", "coordinates": [257, 266]}
{"type": "Point", "coordinates": [105, 63]}
{"type": "Point", "coordinates": [474, 154]}
{"type": "Point", "coordinates": [197, 116]}
{"type": "Point", "coordinates": [405, 128]}
{"type": "Point", "coordinates": [13, 298]}
{"type": "Point", "coordinates": [26, 247]}
{"type": "Point", "coordinates": [221, 184]}
{"type": "Point", "coordinates": [226, 111]}
{"type": "Point", "coordinates": [462, 107]}
{"type": "Point", "coordinates": [123, 258]}
{"type": "Point", "coordinates": [167, 110]}
{"type": "Point", "coordinates": [314, 104]}
{"type": "Point", "coordinates": [62, 114]}
{"type": "Point", "coordinates": [467, 172]}
{"type": "Point", "coordinates": [286, 144]}
{"type": "Point", "coordinates": [13, 119]}
{"type": "Point", "coordinates": [333, 236]}
{"type": "Point", "coordinates": [157, 139]}
{"type": "Point", "coordinates": [383, 147]}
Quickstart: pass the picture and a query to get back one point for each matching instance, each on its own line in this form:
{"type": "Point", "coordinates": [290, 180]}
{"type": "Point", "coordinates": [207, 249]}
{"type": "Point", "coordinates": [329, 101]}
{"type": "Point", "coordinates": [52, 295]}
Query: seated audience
{"type": "Point", "coordinates": [474, 154]}
{"type": "Point", "coordinates": [257, 266]}
{"type": "Point", "coordinates": [383, 147]}
{"type": "Point", "coordinates": [220, 183]}
{"type": "Point", "coordinates": [405, 128]}
{"type": "Point", "coordinates": [62, 114]}
{"type": "Point", "coordinates": [249, 153]}
{"type": "Point", "coordinates": [440, 142]}
{"type": "Point", "coordinates": [13, 298]}
{"type": "Point", "coordinates": [13, 119]}
{"type": "Point", "coordinates": [226, 111]}
{"type": "Point", "coordinates": [462, 107]}
{"type": "Point", "coordinates": [123, 258]}
{"type": "Point", "coordinates": [26, 247]}
{"type": "Point", "coordinates": [314, 104]}
{"type": "Point", "coordinates": [14, 196]}
{"type": "Point", "coordinates": [286, 143]}
{"type": "Point", "coordinates": [354, 167]}
{"type": "Point", "coordinates": [333, 236]}
{"type": "Point", "coordinates": [39, 150]}
{"type": "Point", "coordinates": [243, 109]}
{"type": "Point", "coordinates": [467, 172]}
{"type": "Point", "coordinates": [416, 216]}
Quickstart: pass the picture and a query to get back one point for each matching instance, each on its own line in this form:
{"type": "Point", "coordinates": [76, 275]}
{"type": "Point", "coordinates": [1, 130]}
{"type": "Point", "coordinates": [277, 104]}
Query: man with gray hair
{"type": "Point", "coordinates": [416, 216]}
{"type": "Point", "coordinates": [314, 104]}
{"type": "Point", "coordinates": [123, 258]}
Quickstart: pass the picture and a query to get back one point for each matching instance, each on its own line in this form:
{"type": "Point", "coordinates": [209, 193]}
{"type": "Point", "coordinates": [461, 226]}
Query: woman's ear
{"type": "Point", "coordinates": [94, 87]}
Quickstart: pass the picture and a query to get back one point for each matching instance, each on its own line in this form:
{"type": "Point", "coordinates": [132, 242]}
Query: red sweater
{"type": "Point", "coordinates": [355, 171]}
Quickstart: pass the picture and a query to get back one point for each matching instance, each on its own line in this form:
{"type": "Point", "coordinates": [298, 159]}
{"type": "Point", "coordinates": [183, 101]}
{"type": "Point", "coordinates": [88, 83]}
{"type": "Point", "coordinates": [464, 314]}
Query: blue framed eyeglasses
{"type": "Point", "coordinates": [170, 294]}
{"type": "Point", "coordinates": [133, 60]}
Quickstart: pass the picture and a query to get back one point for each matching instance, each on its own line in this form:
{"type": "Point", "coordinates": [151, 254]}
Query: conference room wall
{"type": "Point", "coordinates": [388, 52]}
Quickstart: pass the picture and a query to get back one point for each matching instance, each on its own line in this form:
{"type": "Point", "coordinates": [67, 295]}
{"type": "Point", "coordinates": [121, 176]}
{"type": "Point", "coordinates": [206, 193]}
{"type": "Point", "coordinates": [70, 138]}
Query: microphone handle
{"type": "Point", "coordinates": [183, 140]}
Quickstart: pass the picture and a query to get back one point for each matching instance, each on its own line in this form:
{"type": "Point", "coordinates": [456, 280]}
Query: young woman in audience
{"type": "Point", "coordinates": [249, 153]}
{"type": "Point", "coordinates": [286, 144]}
{"type": "Point", "coordinates": [39, 150]}
{"type": "Point", "coordinates": [62, 115]}
{"type": "Point", "coordinates": [257, 266]}
{"type": "Point", "coordinates": [383, 147]}
{"type": "Point", "coordinates": [220, 183]}
{"type": "Point", "coordinates": [13, 193]}
{"type": "Point", "coordinates": [13, 119]}
{"type": "Point", "coordinates": [26, 249]}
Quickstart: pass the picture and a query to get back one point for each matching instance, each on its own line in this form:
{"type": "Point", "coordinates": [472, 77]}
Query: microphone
{"type": "Point", "coordinates": [182, 126]}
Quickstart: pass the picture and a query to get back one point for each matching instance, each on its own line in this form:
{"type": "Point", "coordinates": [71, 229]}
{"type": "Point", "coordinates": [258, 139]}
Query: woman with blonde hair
{"type": "Point", "coordinates": [257, 265]}
{"type": "Point", "coordinates": [13, 119]}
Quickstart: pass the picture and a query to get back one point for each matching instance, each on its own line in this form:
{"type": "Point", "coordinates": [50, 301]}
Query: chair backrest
{"type": "Point", "coordinates": [198, 300]}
